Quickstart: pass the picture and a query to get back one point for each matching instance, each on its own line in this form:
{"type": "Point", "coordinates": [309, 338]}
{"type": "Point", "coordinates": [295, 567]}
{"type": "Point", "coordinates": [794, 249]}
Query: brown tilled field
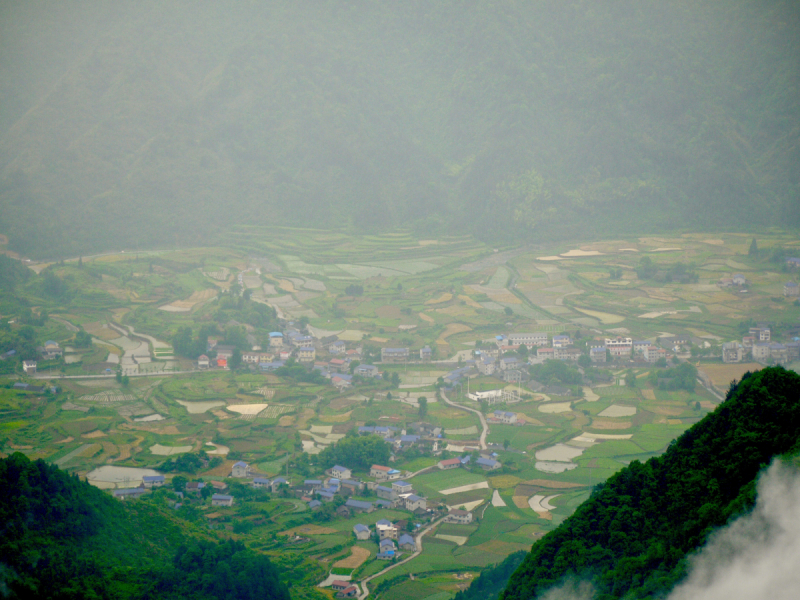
{"type": "Point", "coordinates": [722, 375]}
{"type": "Point", "coordinates": [357, 558]}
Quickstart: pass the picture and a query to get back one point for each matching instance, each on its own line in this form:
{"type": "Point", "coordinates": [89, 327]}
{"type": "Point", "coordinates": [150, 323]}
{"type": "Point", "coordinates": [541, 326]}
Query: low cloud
{"type": "Point", "coordinates": [580, 590]}
{"type": "Point", "coordinates": [757, 556]}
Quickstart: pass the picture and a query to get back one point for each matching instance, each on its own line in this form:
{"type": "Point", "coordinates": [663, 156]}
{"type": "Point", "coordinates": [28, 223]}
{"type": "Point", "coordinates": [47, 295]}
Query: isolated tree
{"type": "Point", "coordinates": [236, 359]}
{"type": "Point", "coordinates": [506, 444]}
{"type": "Point", "coordinates": [395, 380]}
{"type": "Point", "coordinates": [753, 248]}
{"type": "Point", "coordinates": [630, 378]}
{"type": "Point", "coordinates": [423, 406]}
{"type": "Point", "coordinates": [179, 483]}
{"type": "Point", "coordinates": [508, 311]}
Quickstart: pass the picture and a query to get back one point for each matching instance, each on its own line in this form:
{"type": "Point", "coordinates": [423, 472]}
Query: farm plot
{"type": "Point", "coordinates": [555, 407]}
{"type": "Point", "coordinates": [447, 480]}
{"type": "Point", "coordinates": [160, 450]}
{"type": "Point", "coordinates": [268, 393]}
{"type": "Point", "coordinates": [615, 411]}
{"type": "Point", "coordinates": [273, 411]}
{"type": "Point", "coordinates": [358, 556]}
{"type": "Point", "coordinates": [109, 396]}
{"type": "Point", "coordinates": [196, 408]}
{"type": "Point", "coordinates": [248, 412]}
{"type": "Point", "coordinates": [465, 488]}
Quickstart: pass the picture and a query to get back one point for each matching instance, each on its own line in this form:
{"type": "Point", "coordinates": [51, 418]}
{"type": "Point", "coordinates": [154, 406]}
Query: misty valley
{"type": "Point", "coordinates": [400, 300]}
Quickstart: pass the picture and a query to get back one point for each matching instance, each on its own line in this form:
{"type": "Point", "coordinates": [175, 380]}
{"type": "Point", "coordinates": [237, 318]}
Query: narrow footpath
{"type": "Point", "coordinates": [484, 424]}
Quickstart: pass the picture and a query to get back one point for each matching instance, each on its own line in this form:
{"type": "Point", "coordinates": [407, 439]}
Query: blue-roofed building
{"type": "Point", "coordinates": [366, 371]}
{"type": "Point", "coordinates": [383, 503]}
{"type": "Point", "coordinates": [325, 495]}
{"type": "Point", "coordinates": [386, 493]}
{"type": "Point", "coordinates": [221, 500]}
{"type": "Point", "coordinates": [277, 483]}
{"type": "Point", "coordinates": [359, 505]}
{"type": "Point", "coordinates": [314, 504]}
{"type": "Point", "coordinates": [407, 543]}
{"type": "Point", "coordinates": [402, 487]}
{"type": "Point", "coordinates": [151, 481]}
{"type": "Point", "coordinates": [128, 493]}
{"type": "Point", "coordinates": [488, 464]}
{"type": "Point", "coordinates": [311, 485]}
{"type": "Point", "coordinates": [414, 502]}
{"type": "Point", "coordinates": [509, 418]}
{"type": "Point", "coordinates": [271, 366]}
{"type": "Point", "coordinates": [260, 482]}
{"type": "Point", "coordinates": [465, 460]}
{"type": "Point", "coordinates": [394, 354]}
{"type": "Point", "coordinates": [386, 544]}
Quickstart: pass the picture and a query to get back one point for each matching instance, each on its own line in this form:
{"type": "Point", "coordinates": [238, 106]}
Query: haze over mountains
{"type": "Point", "coordinates": [150, 123]}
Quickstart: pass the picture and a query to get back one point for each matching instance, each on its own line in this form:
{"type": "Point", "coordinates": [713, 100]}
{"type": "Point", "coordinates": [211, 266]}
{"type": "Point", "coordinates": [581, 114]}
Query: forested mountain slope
{"type": "Point", "coordinates": [632, 537]}
{"type": "Point", "coordinates": [62, 538]}
{"type": "Point", "coordinates": [156, 123]}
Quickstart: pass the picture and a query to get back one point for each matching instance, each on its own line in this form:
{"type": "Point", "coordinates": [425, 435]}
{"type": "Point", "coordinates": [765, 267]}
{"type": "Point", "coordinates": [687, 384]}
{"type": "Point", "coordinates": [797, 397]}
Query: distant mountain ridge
{"type": "Point", "coordinates": [153, 124]}
{"type": "Point", "coordinates": [632, 537]}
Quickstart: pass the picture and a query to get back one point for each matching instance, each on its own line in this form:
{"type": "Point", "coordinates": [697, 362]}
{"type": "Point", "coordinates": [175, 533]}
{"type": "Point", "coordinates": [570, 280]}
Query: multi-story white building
{"type": "Point", "coordinates": [619, 346]}
{"type": "Point", "coordinates": [528, 339]}
{"type": "Point", "coordinates": [762, 334]}
{"type": "Point", "coordinates": [561, 341]}
{"type": "Point", "coordinates": [597, 354]}
{"type": "Point", "coordinates": [732, 352]}
{"type": "Point", "coordinates": [761, 351]}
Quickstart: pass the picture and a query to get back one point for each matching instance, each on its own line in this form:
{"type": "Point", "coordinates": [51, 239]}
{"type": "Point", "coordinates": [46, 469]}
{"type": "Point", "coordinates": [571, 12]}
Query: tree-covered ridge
{"type": "Point", "coordinates": [63, 538]}
{"type": "Point", "coordinates": [156, 124]}
{"type": "Point", "coordinates": [631, 538]}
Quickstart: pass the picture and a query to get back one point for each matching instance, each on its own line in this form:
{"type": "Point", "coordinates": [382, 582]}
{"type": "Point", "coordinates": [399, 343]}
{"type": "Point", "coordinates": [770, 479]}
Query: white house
{"type": "Point", "coordinates": [341, 472]}
{"type": "Point", "coordinates": [506, 417]}
{"type": "Point", "coordinates": [463, 517]}
{"type": "Point", "coordinates": [221, 500]}
{"type": "Point", "coordinates": [361, 531]}
{"type": "Point", "coordinates": [202, 361]}
{"type": "Point", "coordinates": [414, 502]}
{"type": "Point", "coordinates": [240, 469]}
{"type": "Point", "coordinates": [29, 366]}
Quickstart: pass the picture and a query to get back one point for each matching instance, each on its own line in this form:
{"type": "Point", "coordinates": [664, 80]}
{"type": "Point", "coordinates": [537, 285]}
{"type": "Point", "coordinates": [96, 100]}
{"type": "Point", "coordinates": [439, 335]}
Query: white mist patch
{"type": "Point", "coordinates": [757, 556]}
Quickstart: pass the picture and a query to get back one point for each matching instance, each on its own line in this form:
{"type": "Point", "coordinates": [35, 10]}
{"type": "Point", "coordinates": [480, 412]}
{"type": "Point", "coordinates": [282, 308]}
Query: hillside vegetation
{"type": "Point", "coordinates": [142, 124]}
{"type": "Point", "coordinates": [632, 537]}
{"type": "Point", "coordinates": [63, 538]}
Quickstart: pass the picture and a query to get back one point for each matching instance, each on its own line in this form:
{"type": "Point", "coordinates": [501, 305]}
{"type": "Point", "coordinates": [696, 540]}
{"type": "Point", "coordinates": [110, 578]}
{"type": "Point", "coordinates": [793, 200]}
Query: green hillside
{"type": "Point", "coordinates": [162, 124]}
{"type": "Point", "coordinates": [62, 538]}
{"type": "Point", "coordinates": [632, 537]}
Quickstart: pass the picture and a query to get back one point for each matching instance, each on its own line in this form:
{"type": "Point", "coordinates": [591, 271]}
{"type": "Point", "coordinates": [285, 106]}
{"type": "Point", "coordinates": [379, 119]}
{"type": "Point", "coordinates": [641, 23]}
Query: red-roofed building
{"type": "Point", "coordinates": [348, 592]}
{"type": "Point", "coordinates": [222, 363]}
{"type": "Point", "coordinates": [450, 463]}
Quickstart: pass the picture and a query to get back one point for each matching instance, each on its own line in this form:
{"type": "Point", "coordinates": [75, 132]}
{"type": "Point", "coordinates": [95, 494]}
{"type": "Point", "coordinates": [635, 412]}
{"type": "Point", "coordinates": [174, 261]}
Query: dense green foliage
{"type": "Point", "coordinates": [227, 570]}
{"type": "Point", "coordinates": [63, 538]}
{"type": "Point", "coordinates": [632, 536]}
{"type": "Point", "coordinates": [492, 580]}
{"type": "Point", "coordinates": [156, 123]}
{"type": "Point", "coordinates": [555, 371]}
{"type": "Point", "coordinates": [681, 377]}
{"type": "Point", "coordinates": [355, 453]}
